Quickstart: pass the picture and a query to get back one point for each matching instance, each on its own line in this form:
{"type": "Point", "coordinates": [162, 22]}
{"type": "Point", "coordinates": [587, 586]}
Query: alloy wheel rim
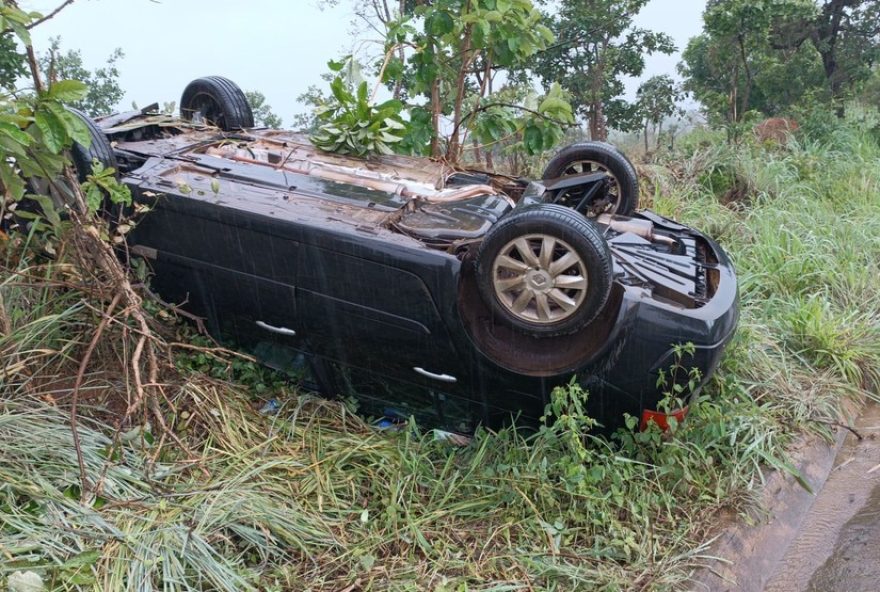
{"type": "Point", "coordinates": [540, 279]}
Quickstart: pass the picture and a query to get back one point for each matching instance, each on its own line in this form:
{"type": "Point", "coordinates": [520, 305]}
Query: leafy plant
{"type": "Point", "coordinates": [350, 124]}
{"type": "Point", "coordinates": [441, 59]}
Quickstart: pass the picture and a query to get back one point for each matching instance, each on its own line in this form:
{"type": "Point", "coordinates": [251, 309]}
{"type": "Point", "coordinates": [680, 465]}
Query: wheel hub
{"type": "Point", "coordinates": [539, 280]}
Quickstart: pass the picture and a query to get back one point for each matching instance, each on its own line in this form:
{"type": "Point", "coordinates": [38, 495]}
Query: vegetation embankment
{"type": "Point", "coordinates": [315, 499]}
{"type": "Point", "coordinates": [174, 479]}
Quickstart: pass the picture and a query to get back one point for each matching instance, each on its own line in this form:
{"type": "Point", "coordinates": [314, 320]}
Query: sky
{"type": "Point", "coordinates": [278, 47]}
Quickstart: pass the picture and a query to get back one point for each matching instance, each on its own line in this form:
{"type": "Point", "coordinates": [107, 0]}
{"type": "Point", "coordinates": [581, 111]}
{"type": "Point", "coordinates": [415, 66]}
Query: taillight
{"type": "Point", "coordinates": [661, 419]}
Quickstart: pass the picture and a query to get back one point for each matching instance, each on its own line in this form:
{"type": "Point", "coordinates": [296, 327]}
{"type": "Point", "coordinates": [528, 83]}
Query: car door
{"type": "Point", "coordinates": [223, 265]}
{"type": "Point", "coordinates": [377, 323]}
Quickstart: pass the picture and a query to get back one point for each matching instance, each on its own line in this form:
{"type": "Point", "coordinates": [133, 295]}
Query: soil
{"type": "Point", "coordinates": [836, 546]}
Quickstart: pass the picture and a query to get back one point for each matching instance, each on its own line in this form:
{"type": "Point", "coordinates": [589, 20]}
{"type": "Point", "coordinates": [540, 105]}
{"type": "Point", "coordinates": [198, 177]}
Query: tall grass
{"type": "Point", "coordinates": [807, 250]}
{"type": "Point", "coordinates": [314, 499]}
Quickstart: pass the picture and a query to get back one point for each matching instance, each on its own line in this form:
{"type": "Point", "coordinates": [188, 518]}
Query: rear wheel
{"type": "Point", "coordinates": [217, 101]}
{"type": "Point", "coordinates": [83, 159]}
{"type": "Point", "coordinates": [622, 196]}
{"type": "Point", "coordinates": [544, 271]}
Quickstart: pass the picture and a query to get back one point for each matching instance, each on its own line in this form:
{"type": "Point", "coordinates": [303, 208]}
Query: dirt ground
{"type": "Point", "coordinates": [836, 548]}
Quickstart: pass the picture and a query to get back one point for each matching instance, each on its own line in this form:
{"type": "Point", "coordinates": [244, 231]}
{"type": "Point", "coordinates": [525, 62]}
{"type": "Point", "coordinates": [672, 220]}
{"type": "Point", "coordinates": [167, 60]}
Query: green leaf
{"type": "Point", "coordinates": [21, 32]}
{"type": "Point", "coordinates": [68, 91]}
{"type": "Point", "coordinates": [53, 130]}
{"type": "Point", "coordinates": [15, 133]}
{"type": "Point", "coordinates": [439, 24]}
{"type": "Point", "coordinates": [11, 181]}
{"type": "Point", "coordinates": [533, 140]}
{"type": "Point", "coordinates": [84, 559]}
{"type": "Point", "coordinates": [94, 196]}
{"type": "Point", "coordinates": [337, 66]}
{"type": "Point", "coordinates": [75, 127]}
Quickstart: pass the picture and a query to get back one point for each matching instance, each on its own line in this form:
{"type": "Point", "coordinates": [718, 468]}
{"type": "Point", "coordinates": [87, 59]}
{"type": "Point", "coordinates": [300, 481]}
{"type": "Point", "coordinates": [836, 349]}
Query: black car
{"type": "Point", "coordinates": [455, 296]}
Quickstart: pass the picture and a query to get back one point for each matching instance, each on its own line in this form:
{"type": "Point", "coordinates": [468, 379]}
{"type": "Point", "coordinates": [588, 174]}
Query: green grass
{"type": "Point", "coordinates": [313, 499]}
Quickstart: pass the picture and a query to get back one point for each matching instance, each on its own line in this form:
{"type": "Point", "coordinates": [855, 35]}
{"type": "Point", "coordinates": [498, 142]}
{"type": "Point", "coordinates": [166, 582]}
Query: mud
{"type": "Point", "coordinates": [836, 547]}
{"type": "Point", "coordinates": [854, 565]}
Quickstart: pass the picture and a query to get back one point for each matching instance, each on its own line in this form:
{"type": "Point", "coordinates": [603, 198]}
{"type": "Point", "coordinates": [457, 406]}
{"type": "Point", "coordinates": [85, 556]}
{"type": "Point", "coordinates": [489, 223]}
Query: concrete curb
{"type": "Point", "coordinates": [749, 554]}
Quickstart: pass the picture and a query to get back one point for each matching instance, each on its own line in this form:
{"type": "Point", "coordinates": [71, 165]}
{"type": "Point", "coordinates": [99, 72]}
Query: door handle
{"type": "Point", "coordinates": [273, 329]}
{"type": "Point", "coordinates": [431, 375]}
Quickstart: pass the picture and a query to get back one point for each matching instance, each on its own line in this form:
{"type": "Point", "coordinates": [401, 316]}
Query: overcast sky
{"type": "Point", "coordinates": [278, 47]}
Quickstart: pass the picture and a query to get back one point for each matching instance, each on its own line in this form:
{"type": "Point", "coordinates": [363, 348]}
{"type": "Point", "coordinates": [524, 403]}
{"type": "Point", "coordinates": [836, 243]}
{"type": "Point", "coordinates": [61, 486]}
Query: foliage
{"type": "Point", "coordinates": [537, 125]}
{"type": "Point", "coordinates": [351, 124]}
{"type": "Point", "coordinates": [777, 56]}
{"type": "Point", "coordinates": [732, 68]}
{"type": "Point", "coordinates": [845, 34]}
{"type": "Point", "coordinates": [104, 92]}
{"type": "Point", "coordinates": [869, 93]}
{"type": "Point", "coordinates": [37, 185]}
{"type": "Point", "coordinates": [263, 114]}
{"type": "Point", "coordinates": [598, 45]}
{"type": "Point", "coordinates": [656, 101]}
{"type": "Point", "coordinates": [312, 99]}
{"type": "Point", "coordinates": [441, 58]}
{"type": "Point", "coordinates": [12, 63]}
{"type": "Point", "coordinates": [36, 130]}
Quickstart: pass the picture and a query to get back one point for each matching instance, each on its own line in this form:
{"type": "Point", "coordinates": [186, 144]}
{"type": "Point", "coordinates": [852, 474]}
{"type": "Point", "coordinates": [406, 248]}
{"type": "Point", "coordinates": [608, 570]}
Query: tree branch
{"type": "Point", "coordinates": [488, 106]}
{"type": "Point", "coordinates": [41, 20]}
{"type": "Point", "coordinates": [52, 14]}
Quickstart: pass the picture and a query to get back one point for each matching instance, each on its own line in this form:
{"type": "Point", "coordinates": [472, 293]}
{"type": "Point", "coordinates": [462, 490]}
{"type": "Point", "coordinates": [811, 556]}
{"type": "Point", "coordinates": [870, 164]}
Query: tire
{"type": "Point", "coordinates": [216, 100]}
{"type": "Point", "coordinates": [518, 270]}
{"type": "Point", "coordinates": [82, 158]}
{"type": "Point", "coordinates": [598, 156]}
{"type": "Point", "coordinates": [100, 149]}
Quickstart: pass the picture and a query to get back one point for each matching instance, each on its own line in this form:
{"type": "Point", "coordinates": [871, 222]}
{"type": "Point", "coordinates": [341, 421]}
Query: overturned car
{"type": "Point", "coordinates": [459, 297]}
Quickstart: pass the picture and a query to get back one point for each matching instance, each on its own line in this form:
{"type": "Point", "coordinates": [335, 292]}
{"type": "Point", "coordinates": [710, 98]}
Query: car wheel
{"type": "Point", "coordinates": [589, 157]}
{"type": "Point", "coordinates": [83, 159]}
{"type": "Point", "coordinates": [218, 101]}
{"type": "Point", "coordinates": [545, 270]}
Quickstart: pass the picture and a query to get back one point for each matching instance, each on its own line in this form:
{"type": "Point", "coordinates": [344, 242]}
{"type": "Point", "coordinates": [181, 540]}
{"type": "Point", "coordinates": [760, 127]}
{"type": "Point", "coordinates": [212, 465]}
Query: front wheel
{"type": "Point", "coordinates": [622, 196]}
{"type": "Point", "coordinates": [83, 159]}
{"type": "Point", "coordinates": [545, 271]}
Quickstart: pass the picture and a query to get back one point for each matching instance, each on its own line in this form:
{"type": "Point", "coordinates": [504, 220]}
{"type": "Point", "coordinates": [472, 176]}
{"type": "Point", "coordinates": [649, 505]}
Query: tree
{"type": "Point", "coordinates": [774, 55]}
{"type": "Point", "coordinates": [598, 45]}
{"type": "Point", "coordinates": [312, 98]}
{"type": "Point", "coordinates": [441, 58]}
{"type": "Point", "coordinates": [656, 100]}
{"type": "Point", "coordinates": [12, 63]}
{"type": "Point", "coordinates": [846, 35]}
{"type": "Point", "coordinates": [732, 68]}
{"type": "Point", "coordinates": [459, 49]}
{"type": "Point", "coordinates": [104, 92]}
{"type": "Point", "coordinates": [263, 114]}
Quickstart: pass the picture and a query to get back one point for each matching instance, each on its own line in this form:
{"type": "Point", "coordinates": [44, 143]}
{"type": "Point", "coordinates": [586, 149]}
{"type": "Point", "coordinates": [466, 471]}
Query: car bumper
{"type": "Point", "coordinates": [655, 340]}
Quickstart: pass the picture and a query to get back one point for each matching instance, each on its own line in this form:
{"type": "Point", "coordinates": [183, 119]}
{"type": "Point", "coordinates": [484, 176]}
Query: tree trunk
{"type": "Point", "coordinates": [436, 107]}
{"type": "Point", "coordinates": [747, 92]}
{"type": "Point", "coordinates": [453, 152]}
{"type": "Point", "coordinates": [825, 42]}
{"type": "Point", "coordinates": [598, 125]}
